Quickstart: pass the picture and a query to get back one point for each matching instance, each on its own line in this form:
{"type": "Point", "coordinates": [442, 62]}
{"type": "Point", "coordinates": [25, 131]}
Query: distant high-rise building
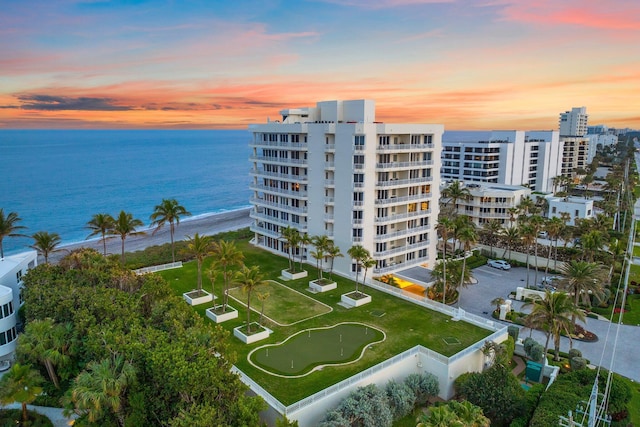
{"type": "Point", "coordinates": [574, 122]}
{"type": "Point", "coordinates": [334, 170]}
{"type": "Point", "coordinates": [530, 158]}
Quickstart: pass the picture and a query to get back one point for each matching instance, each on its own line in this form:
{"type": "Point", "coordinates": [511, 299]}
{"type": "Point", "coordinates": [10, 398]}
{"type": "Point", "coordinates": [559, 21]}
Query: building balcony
{"type": "Point", "coordinates": [329, 148]}
{"type": "Point", "coordinates": [404, 147]}
{"type": "Point", "coordinates": [329, 183]}
{"type": "Point", "coordinates": [302, 228]}
{"type": "Point", "coordinates": [402, 249]}
{"type": "Point", "coordinates": [329, 165]}
{"type": "Point", "coordinates": [403, 165]}
{"type": "Point", "coordinates": [292, 209]}
{"type": "Point", "coordinates": [404, 182]}
{"type": "Point", "coordinates": [279, 191]}
{"type": "Point", "coordinates": [278, 160]}
{"type": "Point", "coordinates": [297, 145]}
{"type": "Point", "coordinates": [398, 266]}
{"type": "Point", "coordinates": [329, 200]}
{"type": "Point", "coordinates": [400, 200]}
{"type": "Point", "coordinates": [403, 216]}
{"type": "Point", "coordinates": [402, 233]}
{"type": "Point", "coordinates": [328, 218]}
{"type": "Point", "coordinates": [480, 204]}
{"type": "Point", "coordinates": [290, 177]}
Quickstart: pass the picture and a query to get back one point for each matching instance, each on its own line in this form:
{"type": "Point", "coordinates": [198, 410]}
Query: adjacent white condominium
{"type": "Point", "coordinates": [531, 158]}
{"type": "Point", "coordinates": [574, 122]}
{"type": "Point", "coordinates": [12, 269]}
{"type": "Point", "coordinates": [334, 170]}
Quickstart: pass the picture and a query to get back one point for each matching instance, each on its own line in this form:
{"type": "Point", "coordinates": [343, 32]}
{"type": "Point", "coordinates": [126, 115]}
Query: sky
{"type": "Point", "coordinates": [182, 64]}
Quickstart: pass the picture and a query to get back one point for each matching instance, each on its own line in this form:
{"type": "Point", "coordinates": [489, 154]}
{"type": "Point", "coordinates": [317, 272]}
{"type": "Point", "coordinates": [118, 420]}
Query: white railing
{"type": "Point", "coordinates": [154, 268]}
{"type": "Point", "coordinates": [272, 401]}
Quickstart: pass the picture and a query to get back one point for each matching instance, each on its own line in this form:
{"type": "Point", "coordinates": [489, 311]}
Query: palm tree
{"type": "Point", "coordinates": [536, 222]}
{"type": "Point", "coordinates": [468, 237]}
{"type": "Point", "coordinates": [199, 247]}
{"type": "Point", "coordinates": [305, 240]}
{"type": "Point", "coordinates": [444, 227]}
{"type": "Point", "coordinates": [554, 313]}
{"type": "Point", "coordinates": [591, 242]}
{"type": "Point", "coordinates": [492, 230]}
{"type": "Point", "coordinates": [361, 256]}
{"type": "Point", "coordinates": [8, 227]}
{"type": "Point", "coordinates": [554, 228]}
{"type": "Point", "coordinates": [125, 225]}
{"type": "Point", "coordinates": [513, 215]}
{"type": "Point", "coordinates": [47, 343]}
{"type": "Point", "coordinates": [511, 236]}
{"type": "Point", "coordinates": [20, 384]}
{"type": "Point", "coordinates": [262, 297]}
{"type": "Point", "coordinates": [527, 205]}
{"type": "Point", "coordinates": [332, 253]}
{"type": "Point", "coordinates": [102, 387]}
{"type": "Point", "coordinates": [460, 223]}
{"type": "Point", "coordinates": [528, 236]}
{"type": "Point", "coordinates": [582, 279]}
{"type": "Point", "coordinates": [169, 210]}
{"type": "Point", "coordinates": [291, 237]}
{"type": "Point", "coordinates": [227, 256]}
{"type": "Point", "coordinates": [322, 244]}
{"type": "Point", "coordinates": [454, 192]}
{"type": "Point", "coordinates": [101, 223]}
{"type": "Point", "coordinates": [250, 279]}
{"type": "Point", "coordinates": [498, 301]}
{"type": "Point", "coordinates": [45, 243]}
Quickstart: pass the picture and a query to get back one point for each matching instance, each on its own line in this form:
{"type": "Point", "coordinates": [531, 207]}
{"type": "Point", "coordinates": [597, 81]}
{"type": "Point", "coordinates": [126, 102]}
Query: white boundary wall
{"type": "Point", "coordinates": [311, 410]}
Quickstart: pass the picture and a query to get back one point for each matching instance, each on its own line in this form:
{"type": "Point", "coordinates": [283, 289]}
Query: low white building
{"type": "Point", "coordinates": [12, 269]}
{"type": "Point", "coordinates": [576, 207]}
{"type": "Point", "coordinates": [489, 202]}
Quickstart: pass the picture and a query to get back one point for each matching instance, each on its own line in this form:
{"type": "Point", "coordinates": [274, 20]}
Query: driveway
{"type": "Point", "coordinates": [624, 339]}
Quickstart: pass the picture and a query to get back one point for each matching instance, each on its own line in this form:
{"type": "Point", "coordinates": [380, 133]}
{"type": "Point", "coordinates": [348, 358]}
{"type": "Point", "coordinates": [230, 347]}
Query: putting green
{"type": "Point", "coordinates": [312, 349]}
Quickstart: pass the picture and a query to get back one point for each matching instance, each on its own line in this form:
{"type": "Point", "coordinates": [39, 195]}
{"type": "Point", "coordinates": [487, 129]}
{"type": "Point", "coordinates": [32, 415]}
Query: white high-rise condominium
{"type": "Point", "coordinates": [574, 122]}
{"type": "Point", "coordinates": [530, 158]}
{"type": "Point", "coordinates": [333, 170]}
{"type": "Point", "coordinates": [573, 131]}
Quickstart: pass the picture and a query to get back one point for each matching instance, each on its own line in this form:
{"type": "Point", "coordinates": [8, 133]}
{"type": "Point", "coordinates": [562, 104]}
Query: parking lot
{"type": "Point", "coordinates": [493, 283]}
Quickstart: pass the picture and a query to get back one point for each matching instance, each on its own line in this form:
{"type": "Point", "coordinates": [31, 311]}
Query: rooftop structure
{"type": "Point", "coordinates": [574, 122]}
{"type": "Point", "coordinates": [576, 207]}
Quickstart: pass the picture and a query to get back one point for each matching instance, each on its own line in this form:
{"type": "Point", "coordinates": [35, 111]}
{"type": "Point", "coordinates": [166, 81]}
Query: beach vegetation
{"type": "Point", "coordinates": [168, 211]}
{"type": "Point", "coordinates": [226, 259]}
{"type": "Point", "coordinates": [9, 227]}
{"type": "Point", "coordinates": [45, 243]}
{"type": "Point", "coordinates": [250, 279]}
{"type": "Point", "coordinates": [125, 225]}
{"type": "Point", "coordinates": [102, 224]}
{"type": "Point", "coordinates": [291, 237]}
{"type": "Point", "coordinates": [177, 357]}
{"type": "Point", "coordinates": [363, 260]}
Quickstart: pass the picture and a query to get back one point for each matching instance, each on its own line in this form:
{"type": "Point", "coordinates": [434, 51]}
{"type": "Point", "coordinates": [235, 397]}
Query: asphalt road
{"type": "Point", "coordinates": [617, 348]}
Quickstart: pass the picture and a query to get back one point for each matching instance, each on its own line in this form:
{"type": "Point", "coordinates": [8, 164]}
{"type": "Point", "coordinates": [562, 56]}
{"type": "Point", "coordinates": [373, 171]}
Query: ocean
{"type": "Point", "coordinates": [56, 180]}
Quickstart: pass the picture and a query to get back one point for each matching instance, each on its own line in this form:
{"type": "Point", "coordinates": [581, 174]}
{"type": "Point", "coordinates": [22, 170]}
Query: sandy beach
{"type": "Point", "coordinates": [205, 225]}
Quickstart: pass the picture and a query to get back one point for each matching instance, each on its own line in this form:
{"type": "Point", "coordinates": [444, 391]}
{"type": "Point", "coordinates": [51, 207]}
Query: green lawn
{"type": "Point", "coordinates": [405, 325]}
{"type": "Point", "coordinates": [300, 353]}
{"type": "Point", "coordinates": [636, 250]}
{"type": "Point", "coordinates": [284, 306]}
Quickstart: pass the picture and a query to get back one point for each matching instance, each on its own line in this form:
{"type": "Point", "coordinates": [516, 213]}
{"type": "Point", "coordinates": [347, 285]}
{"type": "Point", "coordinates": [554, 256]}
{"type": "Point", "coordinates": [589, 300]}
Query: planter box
{"type": "Point", "coordinates": [231, 313]}
{"type": "Point", "coordinates": [355, 302]}
{"type": "Point", "coordinates": [260, 334]}
{"type": "Point", "coordinates": [317, 286]}
{"type": "Point", "coordinates": [293, 276]}
{"type": "Point", "coordinates": [197, 300]}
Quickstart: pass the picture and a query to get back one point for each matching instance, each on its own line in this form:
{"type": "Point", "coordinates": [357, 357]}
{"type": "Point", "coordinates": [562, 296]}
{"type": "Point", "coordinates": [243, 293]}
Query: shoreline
{"type": "Point", "coordinates": [204, 224]}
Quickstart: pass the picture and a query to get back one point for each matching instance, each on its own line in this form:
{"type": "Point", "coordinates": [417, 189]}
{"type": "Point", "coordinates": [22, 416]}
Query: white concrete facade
{"type": "Point", "coordinates": [576, 207]}
{"type": "Point", "coordinates": [574, 122]}
{"type": "Point", "coordinates": [529, 158]}
{"type": "Point", "coordinates": [490, 202]}
{"type": "Point", "coordinates": [12, 269]}
{"type": "Point", "coordinates": [333, 170]}
{"type": "Point", "coordinates": [575, 155]}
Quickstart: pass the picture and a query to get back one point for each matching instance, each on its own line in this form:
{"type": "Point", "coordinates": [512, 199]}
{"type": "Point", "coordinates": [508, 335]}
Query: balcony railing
{"type": "Point", "coordinates": [402, 216]}
{"type": "Point", "coordinates": [402, 249]}
{"type": "Point", "coordinates": [404, 182]}
{"type": "Point", "coordinates": [269, 159]}
{"type": "Point", "coordinates": [396, 200]}
{"type": "Point", "coordinates": [280, 206]}
{"type": "Point", "coordinates": [276, 190]}
{"type": "Point", "coordinates": [404, 147]}
{"type": "Point", "coordinates": [402, 233]}
{"type": "Point", "coordinates": [297, 178]}
{"type": "Point", "coordinates": [399, 165]}
{"type": "Point", "coordinates": [301, 145]}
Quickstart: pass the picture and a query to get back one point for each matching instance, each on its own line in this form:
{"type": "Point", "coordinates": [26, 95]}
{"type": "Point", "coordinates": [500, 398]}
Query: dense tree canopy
{"type": "Point", "coordinates": [181, 364]}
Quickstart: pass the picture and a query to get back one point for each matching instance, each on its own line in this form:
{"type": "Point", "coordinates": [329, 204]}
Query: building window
{"type": "Point", "coordinates": [577, 213]}
{"type": "Point", "coordinates": [358, 177]}
{"type": "Point", "coordinates": [553, 209]}
{"type": "Point", "coordinates": [6, 310]}
{"type": "Point", "coordinates": [18, 276]}
{"type": "Point", "coordinates": [384, 140]}
{"type": "Point", "coordinates": [358, 140]}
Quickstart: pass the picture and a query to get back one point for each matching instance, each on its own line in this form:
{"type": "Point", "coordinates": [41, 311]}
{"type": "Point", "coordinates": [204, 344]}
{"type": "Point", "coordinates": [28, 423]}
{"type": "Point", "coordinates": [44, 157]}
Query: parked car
{"type": "Point", "coordinates": [499, 263]}
{"type": "Point", "coordinates": [543, 235]}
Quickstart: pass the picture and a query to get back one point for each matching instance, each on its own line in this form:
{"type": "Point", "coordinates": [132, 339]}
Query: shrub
{"type": "Point", "coordinates": [574, 352]}
{"type": "Point", "coordinates": [401, 398]}
{"type": "Point", "coordinates": [423, 386]}
{"type": "Point", "coordinates": [509, 346]}
{"type": "Point", "coordinates": [13, 417]}
{"type": "Point", "coordinates": [578, 363]}
{"type": "Point", "coordinates": [366, 407]}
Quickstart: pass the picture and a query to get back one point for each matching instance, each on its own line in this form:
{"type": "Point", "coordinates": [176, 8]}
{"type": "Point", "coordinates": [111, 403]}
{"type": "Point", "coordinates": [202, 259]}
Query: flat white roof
{"type": "Point", "coordinates": [10, 262]}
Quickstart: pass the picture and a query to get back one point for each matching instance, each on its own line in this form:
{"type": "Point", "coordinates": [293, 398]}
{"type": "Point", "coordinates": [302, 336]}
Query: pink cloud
{"type": "Point", "coordinates": [619, 15]}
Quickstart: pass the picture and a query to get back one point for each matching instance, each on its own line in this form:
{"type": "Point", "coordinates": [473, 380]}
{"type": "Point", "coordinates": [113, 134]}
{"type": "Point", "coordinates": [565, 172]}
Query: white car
{"type": "Point", "coordinates": [498, 263]}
